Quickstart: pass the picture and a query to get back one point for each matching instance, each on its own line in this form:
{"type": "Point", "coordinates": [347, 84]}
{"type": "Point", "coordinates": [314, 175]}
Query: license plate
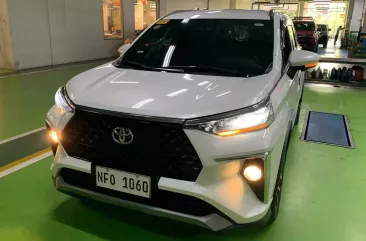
{"type": "Point", "coordinates": [126, 182]}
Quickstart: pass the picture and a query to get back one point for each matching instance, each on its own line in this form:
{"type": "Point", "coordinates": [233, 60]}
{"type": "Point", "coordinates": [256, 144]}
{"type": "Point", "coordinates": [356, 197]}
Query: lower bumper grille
{"type": "Point", "coordinates": [159, 198]}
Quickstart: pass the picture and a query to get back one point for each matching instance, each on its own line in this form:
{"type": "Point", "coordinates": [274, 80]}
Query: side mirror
{"type": "Point", "coordinates": [330, 29]}
{"type": "Point", "coordinates": [303, 59]}
{"type": "Point", "coordinates": [124, 48]}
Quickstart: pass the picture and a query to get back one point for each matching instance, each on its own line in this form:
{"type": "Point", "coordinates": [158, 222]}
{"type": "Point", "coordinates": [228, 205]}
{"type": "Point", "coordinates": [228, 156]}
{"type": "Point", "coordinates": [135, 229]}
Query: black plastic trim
{"type": "Point", "coordinates": [192, 122]}
{"type": "Point", "coordinates": [54, 146]}
{"type": "Point", "coordinates": [257, 186]}
{"type": "Point", "coordinates": [130, 115]}
{"type": "Point", "coordinates": [67, 98]}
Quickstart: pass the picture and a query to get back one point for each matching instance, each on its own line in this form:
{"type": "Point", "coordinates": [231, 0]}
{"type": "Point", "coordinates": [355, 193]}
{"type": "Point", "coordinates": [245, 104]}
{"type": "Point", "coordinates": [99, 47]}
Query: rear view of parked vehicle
{"type": "Point", "coordinates": [323, 32]}
{"type": "Point", "coordinates": [306, 33]}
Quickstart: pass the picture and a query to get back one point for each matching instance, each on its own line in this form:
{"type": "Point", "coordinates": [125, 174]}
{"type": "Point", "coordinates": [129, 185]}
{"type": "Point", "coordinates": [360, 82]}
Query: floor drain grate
{"type": "Point", "coordinates": [327, 128]}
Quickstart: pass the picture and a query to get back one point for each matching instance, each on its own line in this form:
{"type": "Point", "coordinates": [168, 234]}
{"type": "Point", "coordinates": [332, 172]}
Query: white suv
{"type": "Point", "coordinates": [192, 122]}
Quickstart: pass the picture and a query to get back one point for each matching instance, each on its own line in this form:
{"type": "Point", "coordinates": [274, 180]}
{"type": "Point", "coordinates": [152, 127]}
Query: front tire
{"type": "Point", "coordinates": [273, 212]}
{"type": "Point", "coordinates": [325, 44]}
{"type": "Point", "coordinates": [299, 107]}
{"type": "Point", "coordinates": [297, 118]}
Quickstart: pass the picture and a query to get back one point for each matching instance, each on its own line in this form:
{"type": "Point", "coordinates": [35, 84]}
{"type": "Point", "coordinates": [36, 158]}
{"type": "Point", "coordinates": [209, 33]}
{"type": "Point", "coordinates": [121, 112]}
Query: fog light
{"type": "Point", "coordinates": [252, 173]}
{"type": "Point", "coordinates": [53, 136]}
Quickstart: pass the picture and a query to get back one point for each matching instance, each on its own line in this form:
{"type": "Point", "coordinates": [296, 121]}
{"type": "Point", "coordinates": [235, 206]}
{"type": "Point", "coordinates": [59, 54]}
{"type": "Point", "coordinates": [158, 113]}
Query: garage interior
{"type": "Point", "coordinates": [44, 43]}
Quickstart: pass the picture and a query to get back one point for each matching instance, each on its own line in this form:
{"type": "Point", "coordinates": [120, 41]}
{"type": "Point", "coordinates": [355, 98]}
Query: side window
{"type": "Point", "coordinates": [295, 37]}
{"type": "Point", "coordinates": [292, 37]}
{"type": "Point", "coordinates": [288, 46]}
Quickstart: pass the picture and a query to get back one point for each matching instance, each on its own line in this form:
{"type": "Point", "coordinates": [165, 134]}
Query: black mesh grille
{"type": "Point", "coordinates": [159, 198]}
{"type": "Point", "coordinates": [158, 149]}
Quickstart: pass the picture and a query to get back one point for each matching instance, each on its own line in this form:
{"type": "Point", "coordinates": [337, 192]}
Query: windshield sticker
{"type": "Point", "coordinates": [259, 24]}
{"type": "Point", "coordinates": [162, 21]}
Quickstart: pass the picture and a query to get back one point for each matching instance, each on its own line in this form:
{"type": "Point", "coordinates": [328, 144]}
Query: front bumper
{"type": "Point", "coordinates": [219, 183]}
{"type": "Point", "coordinates": [213, 221]}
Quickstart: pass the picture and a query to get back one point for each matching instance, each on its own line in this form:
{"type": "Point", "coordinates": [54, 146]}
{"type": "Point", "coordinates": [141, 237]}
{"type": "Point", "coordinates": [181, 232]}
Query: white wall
{"type": "Point", "coordinates": [244, 4]}
{"type": "Point", "coordinates": [51, 32]}
{"type": "Point", "coordinates": [219, 4]}
{"type": "Point", "coordinates": [29, 32]}
{"type": "Point", "coordinates": [167, 6]}
{"type": "Point", "coordinates": [173, 5]}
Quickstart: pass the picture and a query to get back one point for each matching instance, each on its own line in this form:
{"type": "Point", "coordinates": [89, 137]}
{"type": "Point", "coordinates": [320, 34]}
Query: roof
{"type": "Point", "coordinates": [223, 14]}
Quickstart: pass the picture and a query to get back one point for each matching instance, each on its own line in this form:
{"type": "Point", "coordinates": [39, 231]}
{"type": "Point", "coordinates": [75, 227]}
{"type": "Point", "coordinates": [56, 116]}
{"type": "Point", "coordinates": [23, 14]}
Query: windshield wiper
{"type": "Point", "coordinates": [211, 69]}
{"type": "Point", "coordinates": [136, 65]}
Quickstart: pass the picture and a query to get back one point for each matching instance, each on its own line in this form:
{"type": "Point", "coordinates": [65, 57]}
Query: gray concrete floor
{"type": "Point", "coordinates": [332, 50]}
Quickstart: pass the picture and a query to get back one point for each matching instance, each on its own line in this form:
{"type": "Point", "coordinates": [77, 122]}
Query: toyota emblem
{"type": "Point", "coordinates": [122, 136]}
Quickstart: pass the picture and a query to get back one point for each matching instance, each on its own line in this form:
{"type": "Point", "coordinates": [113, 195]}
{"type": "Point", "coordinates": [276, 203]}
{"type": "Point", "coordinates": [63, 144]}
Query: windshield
{"type": "Point", "coordinates": [304, 26]}
{"type": "Point", "coordinates": [322, 27]}
{"type": "Point", "coordinates": [205, 46]}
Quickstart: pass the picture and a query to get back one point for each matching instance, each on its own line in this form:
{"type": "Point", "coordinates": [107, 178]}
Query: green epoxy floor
{"type": "Point", "coordinates": [26, 98]}
{"type": "Point", "coordinates": [324, 192]}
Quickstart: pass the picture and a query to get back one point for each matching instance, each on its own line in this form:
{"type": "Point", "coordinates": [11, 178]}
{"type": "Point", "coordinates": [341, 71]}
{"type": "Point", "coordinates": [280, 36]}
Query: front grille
{"type": "Point", "coordinates": [157, 150]}
{"type": "Point", "coordinates": [159, 198]}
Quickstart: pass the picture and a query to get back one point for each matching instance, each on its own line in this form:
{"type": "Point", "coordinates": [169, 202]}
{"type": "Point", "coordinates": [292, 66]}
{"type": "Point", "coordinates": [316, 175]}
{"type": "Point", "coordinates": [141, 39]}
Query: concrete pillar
{"type": "Point", "coordinates": [6, 45]}
{"type": "Point", "coordinates": [300, 8]}
{"type": "Point", "coordinates": [355, 15]}
{"type": "Point", "coordinates": [129, 18]}
{"type": "Point", "coordinates": [232, 4]}
{"type": "Point", "coordinates": [162, 8]}
{"type": "Point", "coordinates": [351, 5]}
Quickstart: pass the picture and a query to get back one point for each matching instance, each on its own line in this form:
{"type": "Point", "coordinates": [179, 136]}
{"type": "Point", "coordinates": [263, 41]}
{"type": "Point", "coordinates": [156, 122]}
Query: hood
{"type": "Point", "coordinates": [161, 94]}
{"type": "Point", "coordinates": [305, 33]}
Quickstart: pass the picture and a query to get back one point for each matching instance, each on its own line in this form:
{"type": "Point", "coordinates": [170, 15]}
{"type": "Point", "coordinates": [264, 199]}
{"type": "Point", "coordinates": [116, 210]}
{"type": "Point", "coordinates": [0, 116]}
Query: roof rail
{"type": "Point", "coordinates": [304, 18]}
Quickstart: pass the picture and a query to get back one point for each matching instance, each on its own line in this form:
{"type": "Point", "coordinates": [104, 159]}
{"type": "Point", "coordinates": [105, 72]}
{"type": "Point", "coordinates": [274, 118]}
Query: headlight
{"type": "Point", "coordinates": [249, 119]}
{"type": "Point", "coordinates": [63, 102]}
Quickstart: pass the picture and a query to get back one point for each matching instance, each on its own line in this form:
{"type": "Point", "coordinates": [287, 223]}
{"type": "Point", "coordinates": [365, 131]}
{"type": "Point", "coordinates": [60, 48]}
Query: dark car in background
{"type": "Point", "coordinates": [307, 35]}
{"type": "Point", "coordinates": [323, 32]}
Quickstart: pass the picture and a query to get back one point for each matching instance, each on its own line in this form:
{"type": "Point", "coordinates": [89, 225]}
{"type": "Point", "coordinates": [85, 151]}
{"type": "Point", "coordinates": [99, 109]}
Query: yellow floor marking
{"type": "Point", "coordinates": [25, 159]}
